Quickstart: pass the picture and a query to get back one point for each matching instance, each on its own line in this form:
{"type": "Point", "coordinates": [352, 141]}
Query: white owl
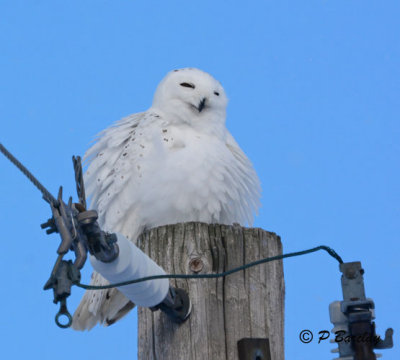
{"type": "Point", "coordinates": [175, 162]}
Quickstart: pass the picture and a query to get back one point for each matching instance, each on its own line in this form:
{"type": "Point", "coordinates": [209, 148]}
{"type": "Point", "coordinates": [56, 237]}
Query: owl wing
{"type": "Point", "coordinates": [242, 178]}
{"type": "Point", "coordinates": [114, 173]}
{"type": "Point", "coordinates": [112, 176]}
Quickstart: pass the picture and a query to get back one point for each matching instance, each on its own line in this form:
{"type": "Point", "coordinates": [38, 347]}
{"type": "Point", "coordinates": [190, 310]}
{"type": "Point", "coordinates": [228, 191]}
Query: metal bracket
{"type": "Point", "coordinates": [176, 305]}
{"type": "Point", "coordinates": [254, 349]}
{"type": "Point", "coordinates": [353, 318]}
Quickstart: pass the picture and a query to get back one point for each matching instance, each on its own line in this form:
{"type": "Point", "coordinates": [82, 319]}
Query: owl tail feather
{"type": "Point", "coordinates": [100, 306]}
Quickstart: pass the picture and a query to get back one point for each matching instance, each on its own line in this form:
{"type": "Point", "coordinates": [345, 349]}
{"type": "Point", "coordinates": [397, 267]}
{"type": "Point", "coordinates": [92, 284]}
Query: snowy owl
{"type": "Point", "coordinates": [175, 162]}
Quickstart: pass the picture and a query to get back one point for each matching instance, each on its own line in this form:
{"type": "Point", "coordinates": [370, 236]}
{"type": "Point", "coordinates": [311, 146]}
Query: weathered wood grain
{"type": "Point", "coordinates": [246, 304]}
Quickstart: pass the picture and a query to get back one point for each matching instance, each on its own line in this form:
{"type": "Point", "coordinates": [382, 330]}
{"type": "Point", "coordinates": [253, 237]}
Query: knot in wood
{"type": "Point", "coordinates": [196, 265]}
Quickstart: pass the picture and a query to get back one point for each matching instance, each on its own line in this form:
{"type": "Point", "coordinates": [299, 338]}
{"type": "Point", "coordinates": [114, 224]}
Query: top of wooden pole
{"type": "Point", "coordinates": [247, 304]}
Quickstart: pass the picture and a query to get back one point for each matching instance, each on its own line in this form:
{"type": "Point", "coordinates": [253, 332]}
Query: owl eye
{"type": "Point", "coordinates": [188, 85]}
{"type": "Point", "coordinates": [216, 93]}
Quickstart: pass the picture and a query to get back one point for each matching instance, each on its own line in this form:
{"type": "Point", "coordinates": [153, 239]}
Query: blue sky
{"type": "Point", "coordinates": [313, 88]}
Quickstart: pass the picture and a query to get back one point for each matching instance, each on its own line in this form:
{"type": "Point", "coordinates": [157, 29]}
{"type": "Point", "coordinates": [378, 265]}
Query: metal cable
{"type": "Point", "coordinates": [80, 188]}
{"type": "Point", "coordinates": [46, 195]}
{"type": "Point", "coordinates": [329, 250]}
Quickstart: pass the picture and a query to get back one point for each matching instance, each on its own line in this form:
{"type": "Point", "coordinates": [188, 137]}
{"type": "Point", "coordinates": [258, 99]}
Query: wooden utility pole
{"type": "Point", "coordinates": [247, 304]}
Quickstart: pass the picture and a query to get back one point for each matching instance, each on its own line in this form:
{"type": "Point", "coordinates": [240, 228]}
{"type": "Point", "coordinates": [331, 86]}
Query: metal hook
{"type": "Point", "coordinates": [63, 311]}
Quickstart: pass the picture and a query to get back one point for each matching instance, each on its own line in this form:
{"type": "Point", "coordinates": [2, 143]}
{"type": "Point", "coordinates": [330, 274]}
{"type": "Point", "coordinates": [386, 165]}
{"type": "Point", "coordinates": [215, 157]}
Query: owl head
{"type": "Point", "coordinates": [191, 94]}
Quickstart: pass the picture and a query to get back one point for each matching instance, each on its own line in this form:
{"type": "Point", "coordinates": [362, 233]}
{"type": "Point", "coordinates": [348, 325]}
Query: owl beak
{"type": "Point", "coordinates": [202, 104]}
